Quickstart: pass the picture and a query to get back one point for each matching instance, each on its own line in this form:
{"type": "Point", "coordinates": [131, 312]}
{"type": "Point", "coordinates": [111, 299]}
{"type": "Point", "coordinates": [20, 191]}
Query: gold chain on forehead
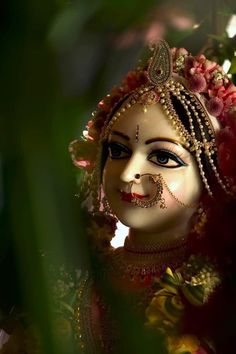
{"type": "Point", "coordinates": [161, 87]}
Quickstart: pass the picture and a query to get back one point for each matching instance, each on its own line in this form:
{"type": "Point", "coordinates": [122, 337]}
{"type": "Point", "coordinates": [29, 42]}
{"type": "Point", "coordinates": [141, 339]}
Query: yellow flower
{"type": "Point", "coordinates": [182, 344]}
{"type": "Point", "coordinates": [166, 307]}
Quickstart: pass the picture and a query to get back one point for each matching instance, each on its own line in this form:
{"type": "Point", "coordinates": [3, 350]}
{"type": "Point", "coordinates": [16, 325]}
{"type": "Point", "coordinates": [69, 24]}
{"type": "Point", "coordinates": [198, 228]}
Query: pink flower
{"type": "Point", "coordinates": [209, 66]}
{"type": "Point", "coordinates": [105, 104]}
{"type": "Point", "coordinates": [224, 91]}
{"type": "Point", "coordinates": [197, 65]}
{"type": "Point", "coordinates": [94, 128]}
{"type": "Point", "coordinates": [133, 80]}
{"type": "Point", "coordinates": [189, 63]}
{"type": "Point", "coordinates": [197, 83]}
{"type": "Point", "coordinates": [83, 154]}
{"type": "Point", "coordinates": [200, 65]}
{"type": "Point", "coordinates": [215, 106]}
{"type": "Point", "coordinates": [227, 94]}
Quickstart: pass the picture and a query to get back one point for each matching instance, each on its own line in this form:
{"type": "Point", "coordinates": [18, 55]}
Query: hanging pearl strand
{"type": "Point", "coordinates": [197, 147]}
{"type": "Point", "coordinates": [207, 147]}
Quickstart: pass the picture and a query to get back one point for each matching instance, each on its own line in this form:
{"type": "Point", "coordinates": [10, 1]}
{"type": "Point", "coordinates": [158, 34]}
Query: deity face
{"type": "Point", "coordinates": [146, 143]}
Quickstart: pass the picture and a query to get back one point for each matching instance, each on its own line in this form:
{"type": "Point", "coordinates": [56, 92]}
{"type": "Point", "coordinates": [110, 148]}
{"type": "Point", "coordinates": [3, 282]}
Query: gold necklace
{"type": "Point", "coordinates": [154, 249]}
{"type": "Point", "coordinates": [145, 265]}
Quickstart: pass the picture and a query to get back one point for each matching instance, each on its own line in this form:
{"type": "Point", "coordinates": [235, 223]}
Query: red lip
{"type": "Point", "coordinates": [128, 197]}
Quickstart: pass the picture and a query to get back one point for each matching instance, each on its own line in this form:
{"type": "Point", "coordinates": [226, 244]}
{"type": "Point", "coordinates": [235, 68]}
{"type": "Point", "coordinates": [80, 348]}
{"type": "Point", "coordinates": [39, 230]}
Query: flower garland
{"type": "Point", "coordinates": [194, 284]}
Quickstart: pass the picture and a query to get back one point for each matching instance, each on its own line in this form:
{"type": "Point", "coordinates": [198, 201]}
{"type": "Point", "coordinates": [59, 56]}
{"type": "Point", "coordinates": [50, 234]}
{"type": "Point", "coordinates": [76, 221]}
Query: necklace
{"type": "Point", "coordinates": [92, 319]}
{"type": "Point", "coordinates": [154, 249]}
{"type": "Point", "coordinates": [144, 264]}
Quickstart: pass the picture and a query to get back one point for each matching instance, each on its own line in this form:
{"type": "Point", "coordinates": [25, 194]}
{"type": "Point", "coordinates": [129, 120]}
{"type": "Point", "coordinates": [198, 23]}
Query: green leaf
{"type": "Point", "coordinates": [232, 69]}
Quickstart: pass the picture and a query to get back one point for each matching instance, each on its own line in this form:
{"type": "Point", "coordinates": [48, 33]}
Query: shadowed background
{"type": "Point", "coordinates": [58, 58]}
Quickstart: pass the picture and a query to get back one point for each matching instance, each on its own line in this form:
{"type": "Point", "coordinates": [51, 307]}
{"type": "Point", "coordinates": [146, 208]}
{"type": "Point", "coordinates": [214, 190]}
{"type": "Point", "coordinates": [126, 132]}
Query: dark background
{"type": "Point", "coordinates": [57, 59]}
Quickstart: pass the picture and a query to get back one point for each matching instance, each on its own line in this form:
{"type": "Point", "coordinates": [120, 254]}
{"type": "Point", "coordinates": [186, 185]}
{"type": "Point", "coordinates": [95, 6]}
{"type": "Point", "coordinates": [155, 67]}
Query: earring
{"type": "Point", "coordinates": [137, 134]}
{"type": "Point", "coordinates": [84, 187]}
{"type": "Point", "coordinates": [201, 220]}
{"type": "Point", "coordinates": [106, 206]}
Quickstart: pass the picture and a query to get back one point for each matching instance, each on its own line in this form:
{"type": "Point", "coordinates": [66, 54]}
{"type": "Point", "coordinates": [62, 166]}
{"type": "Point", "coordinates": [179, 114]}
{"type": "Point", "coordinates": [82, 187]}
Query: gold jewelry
{"type": "Point", "coordinates": [157, 197]}
{"type": "Point", "coordinates": [137, 134]}
{"type": "Point", "coordinates": [162, 87]}
{"type": "Point", "coordinates": [140, 266]}
{"type": "Point", "coordinates": [200, 222]}
{"type": "Point", "coordinates": [174, 196]}
{"type": "Point", "coordinates": [160, 66]}
{"type": "Point", "coordinates": [160, 183]}
{"type": "Point", "coordinates": [154, 249]}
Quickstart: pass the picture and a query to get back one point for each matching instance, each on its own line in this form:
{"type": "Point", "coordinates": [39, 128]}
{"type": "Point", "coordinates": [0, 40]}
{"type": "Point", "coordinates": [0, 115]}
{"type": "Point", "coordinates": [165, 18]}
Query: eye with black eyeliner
{"type": "Point", "coordinates": [165, 158]}
{"type": "Point", "coordinates": [118, 151]}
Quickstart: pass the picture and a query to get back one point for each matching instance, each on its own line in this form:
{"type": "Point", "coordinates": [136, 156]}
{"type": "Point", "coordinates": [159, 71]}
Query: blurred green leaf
{"type": "Point", "coordinates": [232, 69]}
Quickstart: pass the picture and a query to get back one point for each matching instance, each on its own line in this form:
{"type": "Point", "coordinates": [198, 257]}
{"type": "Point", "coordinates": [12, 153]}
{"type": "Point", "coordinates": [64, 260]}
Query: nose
{"type": "Point", "coordinates": [132, 170]}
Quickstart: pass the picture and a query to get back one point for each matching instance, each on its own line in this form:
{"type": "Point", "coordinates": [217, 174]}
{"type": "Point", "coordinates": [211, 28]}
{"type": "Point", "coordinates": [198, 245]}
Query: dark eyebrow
{"type": "Point", "coordinates": [122, 135]}
{"type": "Point", "coordinates": [149, 141]}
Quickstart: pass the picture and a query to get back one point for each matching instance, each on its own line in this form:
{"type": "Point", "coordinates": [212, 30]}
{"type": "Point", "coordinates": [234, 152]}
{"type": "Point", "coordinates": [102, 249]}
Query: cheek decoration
{"type": "Point", "coordinates": [155, 184]}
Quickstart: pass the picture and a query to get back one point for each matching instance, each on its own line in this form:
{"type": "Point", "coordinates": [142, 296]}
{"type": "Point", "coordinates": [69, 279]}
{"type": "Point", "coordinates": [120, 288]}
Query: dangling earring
{"type": "Point", "coordinates": [84, 187]}
{"type": "Point", "coordinates": [105, 206]}
{"type": "Point", "coordinates": [201, 220]}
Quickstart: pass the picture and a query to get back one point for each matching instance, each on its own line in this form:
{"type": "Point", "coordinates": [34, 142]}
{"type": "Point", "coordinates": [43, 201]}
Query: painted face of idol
{"type": "Point", "coordinates": [146, 144]}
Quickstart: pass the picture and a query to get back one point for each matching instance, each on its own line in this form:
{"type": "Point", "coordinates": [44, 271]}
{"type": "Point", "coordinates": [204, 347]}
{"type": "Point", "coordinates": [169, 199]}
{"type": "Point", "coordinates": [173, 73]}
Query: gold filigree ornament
{"type": "Point", "coordinates": [155, 185]}
{"type": "Point", "coordinates": [194, 282]}
{"type": "Point", "coordinates": [154, 193]}
{"type": "Point", "coordinates": [149, 98]}
{"type": "Point", "coordinates": [160, 65]}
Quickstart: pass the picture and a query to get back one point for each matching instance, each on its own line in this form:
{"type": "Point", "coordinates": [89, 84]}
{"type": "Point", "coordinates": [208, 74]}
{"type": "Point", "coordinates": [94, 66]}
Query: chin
{"type": "Point", "coordinates": [131, 217]}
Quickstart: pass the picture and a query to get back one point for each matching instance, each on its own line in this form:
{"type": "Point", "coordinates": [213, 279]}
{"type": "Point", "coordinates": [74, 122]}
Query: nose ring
{"type": "Point", "coordinates": [137, 176]}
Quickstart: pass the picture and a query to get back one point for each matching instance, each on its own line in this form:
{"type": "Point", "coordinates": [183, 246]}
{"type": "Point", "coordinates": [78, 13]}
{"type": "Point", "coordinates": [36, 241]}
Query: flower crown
{"type": "Point", "coordinates": [199, 78]}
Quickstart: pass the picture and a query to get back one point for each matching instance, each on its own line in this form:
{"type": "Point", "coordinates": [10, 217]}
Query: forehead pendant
{"type": "Point", "coordinates": [159, 72]}
{"type": "Point", "coordinates": [160, 65]}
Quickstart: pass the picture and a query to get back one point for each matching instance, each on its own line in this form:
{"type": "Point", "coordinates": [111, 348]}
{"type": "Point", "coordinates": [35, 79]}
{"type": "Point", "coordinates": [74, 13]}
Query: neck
{"type": "Point", "coordinates": [138, 239]}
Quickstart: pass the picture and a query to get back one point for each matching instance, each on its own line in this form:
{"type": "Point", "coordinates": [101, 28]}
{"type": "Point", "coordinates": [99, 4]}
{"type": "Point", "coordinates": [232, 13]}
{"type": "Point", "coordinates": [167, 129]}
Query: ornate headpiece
{"type": "Point", "coordinates": [173, 75]}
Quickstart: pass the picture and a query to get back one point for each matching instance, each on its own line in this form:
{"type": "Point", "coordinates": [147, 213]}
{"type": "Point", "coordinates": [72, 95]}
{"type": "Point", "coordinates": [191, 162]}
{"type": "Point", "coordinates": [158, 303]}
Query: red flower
{"type": "Point", "coordinates": [215, 106]}
{"type": "Point", "coordinates": [200, 66]}
{"type": "Point", "coordinates": [83, 154]}
{"type": "Point", "coordinates": [197, 83]}
{"type": "Point", "coordinates": [226, 93]}
{"type": "Point", "coordinates": [189, 63]}
{"type": "Point", "coordinates": [133, 80]}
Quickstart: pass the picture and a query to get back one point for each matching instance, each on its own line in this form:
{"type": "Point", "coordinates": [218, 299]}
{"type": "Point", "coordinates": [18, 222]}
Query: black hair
{"type": "Point", "coordinates": [207, 168]}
